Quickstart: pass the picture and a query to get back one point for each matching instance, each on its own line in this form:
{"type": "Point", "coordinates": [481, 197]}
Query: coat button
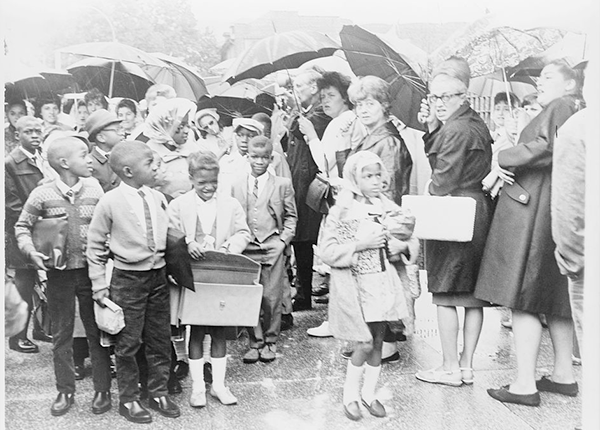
{"type": "Point", "coordinates": [522, 197]}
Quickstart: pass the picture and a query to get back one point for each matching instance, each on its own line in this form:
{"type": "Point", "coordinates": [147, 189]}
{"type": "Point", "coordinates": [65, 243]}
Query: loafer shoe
{"type": "Point", "coordinates": [323, 300]}
{"type": "Point", "coordinates": [268, 353]}
{"type": "Point", "coordinates": [548, 385]}
{"type": "Point", "coordinates": [42, 336]}
{"type": "Point", "coordinates": [352, 411]}
{"type": "Point", "coordinates": [198, 399]}
{"type": "Point", "coordinates": [135, 412]}
{"type": "Point", "coordinates": [101, 402]}
{"type": "Point", "coordinates": [287, 322]}
{"type": "Point", "coordinates": [252, 356]}
{"type": "Point", "coordinates": [23, 345]}
{"type": "Point", "coordinates": [298, 306]}
{"type": "Point", "coordinates": [375, 408]}
{"type": "Point", "coordinates": [62, 404]}
{"type": "Point", "coordinates": [502, 394]}
{"type": "Point", "coordinates": [165, 406]}
{"type": "Point", "coordinates": [79, 372]}
{"type": "Point", "coordinates": [394, 358]}
{"type": "Point", "coordinates": [452, 378]}
{"type": "Point", "coordinates": [320, 331]}
{"type": "Point", "coordinates": [224, 396]}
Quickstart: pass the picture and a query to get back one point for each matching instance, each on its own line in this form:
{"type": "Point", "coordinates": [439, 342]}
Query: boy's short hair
{"type": "Point", "coordinates": [260, 142]}
{"type": "Point", "coordinates": [125, 154]}
{"type": "Point", "coordinates": [61, 148]}
{"type": "Point", "coordinates": [202, 160]}
{"type": "Point", "coordinates": [502, 98]}
{"type": "Point", "coordinates": [265, 120]}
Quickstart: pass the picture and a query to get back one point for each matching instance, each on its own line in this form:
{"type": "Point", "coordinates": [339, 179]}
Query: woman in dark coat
{"type": "Point", "coordinates": [458, 145]}
{"type": "Point", "coordinates": [519, 269]}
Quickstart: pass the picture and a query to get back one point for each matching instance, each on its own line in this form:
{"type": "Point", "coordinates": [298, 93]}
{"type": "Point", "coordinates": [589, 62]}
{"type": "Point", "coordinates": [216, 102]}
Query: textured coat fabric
{"type": "Point", "coordinates": [102, 171]}
{"type": "Point", "coordinates": [385, 141]}
{"type": "Point", "coordinates": [518, 268]}
{"type": "Point", "coordinates": [350, 302]}
{"type": "Point", "coordinates": [303, 168]}
{"type": "Point", "coordinates": [21, 176]}
{"type": "Point", "coordinates": [460, 155]}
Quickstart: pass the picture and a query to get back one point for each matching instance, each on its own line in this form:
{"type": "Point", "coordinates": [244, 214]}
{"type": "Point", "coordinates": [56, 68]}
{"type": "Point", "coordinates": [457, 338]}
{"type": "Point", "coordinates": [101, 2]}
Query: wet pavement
{"type": "Point", "coordinates": [302, 388]}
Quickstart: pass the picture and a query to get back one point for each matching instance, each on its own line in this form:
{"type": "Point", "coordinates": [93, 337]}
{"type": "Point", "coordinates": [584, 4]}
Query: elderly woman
{"type": "Point", "coordinates": [167, 126]}
{"type": "Point", "coordinates": [519, 269]}
{"type": "Point", "coordinates": [459, 147]}
{"type": "Point", "coordinates": [370, 95]}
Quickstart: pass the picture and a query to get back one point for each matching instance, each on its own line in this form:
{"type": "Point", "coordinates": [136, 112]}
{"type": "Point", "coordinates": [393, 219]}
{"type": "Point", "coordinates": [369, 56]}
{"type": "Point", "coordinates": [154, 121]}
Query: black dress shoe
{"type": "Point", "coordinates": [23, 345]}
{"type": "Point", "coordinates": [101, 402]}
{"type": "Point", "coordinates": [181, 369]}
{"type": "Point", "coordinates": [287, 322]}
{"type": "Point", "coordinates": [165, 406]}
{"type": "Point", "coordinates": [375, 408]}
{"type": "Point", "coordinates": [79, 372]}
{"type": "Point", "coordinates": [322, 300]}
{"type": "Point", "coordinates": [62, 404]}
{"type": "Point", "coordinates": [301, 305]}
{"type": "Point", "coordinates": [42, 336]}
{"type": "Point", "coordinates": [135, 412]}
{"type": "Point", "coordinates": [505, 396]}
{"type": "Point", "coordinates": [352, 411]}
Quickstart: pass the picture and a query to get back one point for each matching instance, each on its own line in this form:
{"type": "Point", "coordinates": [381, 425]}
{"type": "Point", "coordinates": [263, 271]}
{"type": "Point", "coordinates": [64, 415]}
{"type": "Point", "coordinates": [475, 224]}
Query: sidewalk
{"type": "Point", "coordinates": [302, 389]}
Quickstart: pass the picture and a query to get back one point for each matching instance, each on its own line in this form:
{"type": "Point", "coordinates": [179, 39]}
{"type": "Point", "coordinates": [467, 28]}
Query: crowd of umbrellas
{"type": "Point", "coordinates": [497, 50]}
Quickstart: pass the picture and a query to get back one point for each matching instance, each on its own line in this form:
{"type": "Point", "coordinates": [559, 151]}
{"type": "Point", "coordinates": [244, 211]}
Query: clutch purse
{"type": "Point", "coordinates": [50, 238]}
{"type": "Point", "coordinates": [447, 218]}
{"type": "Point", "coordinates": [110, 318]}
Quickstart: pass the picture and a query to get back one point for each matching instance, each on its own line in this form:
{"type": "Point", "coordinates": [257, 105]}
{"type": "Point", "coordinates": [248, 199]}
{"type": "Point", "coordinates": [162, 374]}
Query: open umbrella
{"type": "Point", "coordinates": [185, 79]}
{"type": "Point", "coordinates": [126, 79]}
{"type": "Point", "coordinates": [26, 83]}
{"type": "Point", "coordinates": [368, 54]}
{"type": "Point", "coordinates": [287, 50]}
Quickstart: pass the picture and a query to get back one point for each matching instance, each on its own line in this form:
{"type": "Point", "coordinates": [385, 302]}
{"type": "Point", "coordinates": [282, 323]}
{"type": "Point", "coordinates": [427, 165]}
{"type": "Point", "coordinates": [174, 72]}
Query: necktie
{"type": "Point", "coordinates": [149, 229]}
{"type": "Point", "coordinates": [255, 189]}
{"type": "Point", "coordinates": [71, 195]}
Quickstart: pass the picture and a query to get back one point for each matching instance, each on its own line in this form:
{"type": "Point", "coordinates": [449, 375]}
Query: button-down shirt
{"type": "Point", "coordinates": [69, 192]}
{"type": "Point", "coordinates": [207, 213]}
{"type": "Point", "coordinates": [262, 182]}
{"type": "Point", "coordinates": [137, 205]}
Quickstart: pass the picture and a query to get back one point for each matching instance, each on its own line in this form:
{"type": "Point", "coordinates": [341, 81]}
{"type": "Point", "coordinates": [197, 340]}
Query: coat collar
{"type": "Point", "coordinates": [99, 157]}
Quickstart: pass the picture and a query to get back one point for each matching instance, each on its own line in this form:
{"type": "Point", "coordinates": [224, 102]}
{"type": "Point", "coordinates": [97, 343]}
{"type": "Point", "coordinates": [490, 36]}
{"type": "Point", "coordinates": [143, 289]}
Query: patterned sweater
{"type": "Point", "coordinates": [47, 201]}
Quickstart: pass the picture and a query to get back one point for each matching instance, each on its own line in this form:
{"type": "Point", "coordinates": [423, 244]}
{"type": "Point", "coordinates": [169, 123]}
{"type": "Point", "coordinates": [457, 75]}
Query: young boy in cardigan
{"type": "Point", "coordinates": [74, 197]}
{"type": "Point", "coordinates": [131, 222]}
{"type": "Point", "coordinates": [271, 216]}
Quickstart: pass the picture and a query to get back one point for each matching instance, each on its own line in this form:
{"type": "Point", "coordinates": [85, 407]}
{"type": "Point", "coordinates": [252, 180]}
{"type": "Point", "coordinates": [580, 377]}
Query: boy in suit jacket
{"type": "Point", "coordinates": [131, 222]}
{"type": "Point", "coordinates": [105, 131]}
{"type": "Point", "coordinates": [271, 216]}
{"type": "Point", "coordinates": [22, 173]}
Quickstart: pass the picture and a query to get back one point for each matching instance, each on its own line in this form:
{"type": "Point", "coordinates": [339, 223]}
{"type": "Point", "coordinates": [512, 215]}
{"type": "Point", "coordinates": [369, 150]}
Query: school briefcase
{"type": "Point", "coordinates": [227, 292]}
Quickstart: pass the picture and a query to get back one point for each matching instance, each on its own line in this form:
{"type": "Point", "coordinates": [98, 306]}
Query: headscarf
{"type": "Point", "coordinates": [352, 170]}
{"type": "Point", "coordinates": [165, 117]}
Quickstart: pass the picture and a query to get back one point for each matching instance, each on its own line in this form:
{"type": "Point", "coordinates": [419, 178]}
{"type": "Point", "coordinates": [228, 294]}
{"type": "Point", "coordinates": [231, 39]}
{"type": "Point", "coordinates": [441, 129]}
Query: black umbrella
{"type": "Point", "coordinates": [229, 107]}
{"type": "Point", "coordinates": [369, 55]}
{"type": "Point", "coordinates": [129, 80]}
{"type": "Point", "coordinates": [26, 83]}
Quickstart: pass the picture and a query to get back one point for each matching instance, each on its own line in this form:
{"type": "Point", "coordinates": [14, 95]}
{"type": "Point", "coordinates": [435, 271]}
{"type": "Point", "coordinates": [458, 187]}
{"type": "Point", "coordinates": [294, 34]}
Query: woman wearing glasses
{"type": "Point", "coordinates": [459, 148]}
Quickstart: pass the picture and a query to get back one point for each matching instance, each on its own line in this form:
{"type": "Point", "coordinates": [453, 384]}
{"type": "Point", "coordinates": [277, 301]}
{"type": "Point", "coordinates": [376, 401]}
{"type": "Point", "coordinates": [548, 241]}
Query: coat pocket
{"type": "Point", "coordinates": [517, 193]}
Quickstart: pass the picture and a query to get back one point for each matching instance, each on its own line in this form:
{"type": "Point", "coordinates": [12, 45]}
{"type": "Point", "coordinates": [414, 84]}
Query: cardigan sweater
{"type": "Point", "coordinates": [115, 227]}
{"type": "Point", "coordinates": [47, 201]}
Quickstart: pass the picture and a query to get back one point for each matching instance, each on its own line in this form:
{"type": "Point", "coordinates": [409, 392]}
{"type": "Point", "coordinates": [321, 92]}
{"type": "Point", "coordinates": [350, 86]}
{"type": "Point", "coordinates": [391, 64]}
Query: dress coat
{"type": "Point", "coordinates": [103, 172]}
{"type": "Point", "coordinates": [304, 169]}
{"type": "Point", "coordinates": [460, 154]}
{"type": "Point", "coordinates": [519, 269]}
{"type": "Point", "coordinates": [21, 176]}
{"type": "Point", "coordinates": [386, 142]}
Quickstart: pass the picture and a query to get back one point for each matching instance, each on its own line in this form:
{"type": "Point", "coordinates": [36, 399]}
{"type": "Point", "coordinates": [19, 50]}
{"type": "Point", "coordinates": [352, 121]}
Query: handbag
{"type": "Point", "coordinates": [319, 196]}
{"type": "Point", "coordinates": [447, 218]}
{"type": "Point", "coordinates": [50, 238]}
{"type": "Point", "coordinates": [109, 318]}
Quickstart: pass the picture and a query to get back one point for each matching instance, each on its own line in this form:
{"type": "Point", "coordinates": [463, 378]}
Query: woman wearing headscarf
{"type": "Point", "coordinates": [519, 269]}
{"type": "Point", "coordinates": [213, 137]}
{"type": "Point", "coordinates": [459, 147]}
{"type": "Point", "coordinates": [167, 127]}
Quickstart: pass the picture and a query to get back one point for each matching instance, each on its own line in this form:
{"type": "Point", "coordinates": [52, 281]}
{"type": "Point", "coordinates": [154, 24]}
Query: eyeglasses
{"type": "Point", "coordinates": [445, 98]}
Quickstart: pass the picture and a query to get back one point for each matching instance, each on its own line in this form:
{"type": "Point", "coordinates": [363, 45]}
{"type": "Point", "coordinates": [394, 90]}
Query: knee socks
{"type": "Point", "coordinates": [219, 366]}
{"type": "Point", "coordinates": [197, 372]}
{"type": "Point", "coordinates": [371, 378]}
{"type": "Point", "coordinates": [352, 384]}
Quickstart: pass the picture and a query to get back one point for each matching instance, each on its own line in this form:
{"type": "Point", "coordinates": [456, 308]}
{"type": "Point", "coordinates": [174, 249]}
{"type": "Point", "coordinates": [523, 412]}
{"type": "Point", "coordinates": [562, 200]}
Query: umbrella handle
{"type": "Point", "coordinates": [112, 80]}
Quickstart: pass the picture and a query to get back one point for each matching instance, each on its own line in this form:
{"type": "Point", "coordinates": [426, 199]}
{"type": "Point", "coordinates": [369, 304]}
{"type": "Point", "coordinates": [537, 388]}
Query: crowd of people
{"type": "Point", "coordinates": [122, 177]}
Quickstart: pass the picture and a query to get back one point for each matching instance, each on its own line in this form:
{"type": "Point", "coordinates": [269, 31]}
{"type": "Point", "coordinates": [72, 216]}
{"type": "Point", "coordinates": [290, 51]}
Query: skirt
{"type": "Point", "coordinates": [466, 300]}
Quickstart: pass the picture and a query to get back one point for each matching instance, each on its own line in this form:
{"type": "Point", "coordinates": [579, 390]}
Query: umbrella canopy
{"type": "Point", "coordinates": [129, 80]}
{"type": "Point", "coordinates": [368, 54]}
{"type": "Point", "coordinates": [23, 82]}
{"type": "Point", "coordinates": [488, 45]}
{"type": "Point", "coordinates": [287, 50]}
{"type": "Point", "coordinates": [185, 79]}
{"type": "Point", "coordinates": [113, 51]}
